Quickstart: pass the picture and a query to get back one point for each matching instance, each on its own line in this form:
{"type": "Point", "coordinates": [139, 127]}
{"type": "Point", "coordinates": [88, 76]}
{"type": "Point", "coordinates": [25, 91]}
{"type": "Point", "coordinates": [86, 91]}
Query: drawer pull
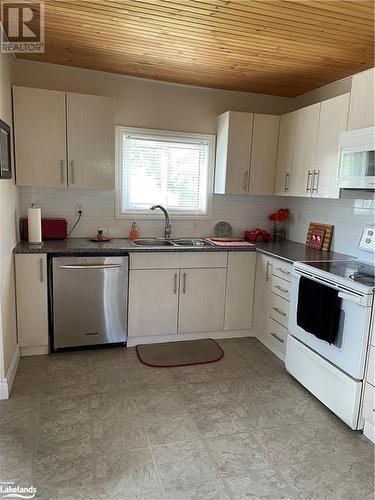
{"type": "Point", "coordinates": [279, 311]}
{"type": "Point", "coordinates": [267, 270]}
{"type": "Point", "coordinates": [284, 290]}
{"type": "Point", "coordinates": [277, 337]}
{"type": "Point", "coordinates": [175, 284]}
{"type": "Point", "coordinates": [282, 270]}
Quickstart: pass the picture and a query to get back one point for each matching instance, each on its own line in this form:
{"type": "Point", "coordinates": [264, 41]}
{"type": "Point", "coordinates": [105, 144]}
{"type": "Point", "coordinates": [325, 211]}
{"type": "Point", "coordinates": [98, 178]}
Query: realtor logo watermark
{"type": "Point", "coordinates": [9, 489]}
{"type": "Point", "coordinates": [23, 27]}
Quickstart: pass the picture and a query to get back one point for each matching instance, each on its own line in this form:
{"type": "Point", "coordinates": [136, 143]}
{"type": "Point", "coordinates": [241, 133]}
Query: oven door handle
{"type": "Point", "coordinates": [351, 297]}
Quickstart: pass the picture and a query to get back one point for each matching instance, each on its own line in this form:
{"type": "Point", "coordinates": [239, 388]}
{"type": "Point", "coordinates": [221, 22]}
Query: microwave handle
{"type": "Point", "coordinates": [351, 297]}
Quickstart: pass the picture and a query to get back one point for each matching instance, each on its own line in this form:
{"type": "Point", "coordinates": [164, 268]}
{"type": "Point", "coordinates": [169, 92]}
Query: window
{"type": "Point", "coordinates": [173, 169]}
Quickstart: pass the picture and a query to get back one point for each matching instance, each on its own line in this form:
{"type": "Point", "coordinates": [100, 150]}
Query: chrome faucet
{"type": "Point", "coordinates": [167, 227]}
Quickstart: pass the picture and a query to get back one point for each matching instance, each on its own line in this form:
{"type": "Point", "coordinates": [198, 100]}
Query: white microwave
{"type": "Point", "coordinates": [357, 159]}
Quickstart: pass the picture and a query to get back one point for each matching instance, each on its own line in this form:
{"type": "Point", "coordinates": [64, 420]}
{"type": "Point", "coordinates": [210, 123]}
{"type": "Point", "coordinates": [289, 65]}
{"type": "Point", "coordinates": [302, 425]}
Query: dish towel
{"type": "Point", "coordinates": [318, 310]}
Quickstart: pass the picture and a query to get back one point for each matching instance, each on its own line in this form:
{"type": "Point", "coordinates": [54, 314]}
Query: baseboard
{"type": "Point", "coordinates": [35, 350]}
{"type": "Point", "coordinates": [7, 382]}
{"type": "Point", "coordinates": [155, 339]}
{"type": "Point", "coordinates": [369, 431]}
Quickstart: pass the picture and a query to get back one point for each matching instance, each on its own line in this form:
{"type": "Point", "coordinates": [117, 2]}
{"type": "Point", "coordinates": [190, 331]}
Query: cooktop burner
{"type": "Point", "coordinates": [357, 271]}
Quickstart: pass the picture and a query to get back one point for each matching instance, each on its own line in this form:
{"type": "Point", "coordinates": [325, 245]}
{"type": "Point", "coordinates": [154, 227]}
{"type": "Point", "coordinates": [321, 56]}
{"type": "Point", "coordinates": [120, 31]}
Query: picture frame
{"type": "Point", "coordinates": [5, 151]}
{"type": "Point", "coordinates": [323, 236]}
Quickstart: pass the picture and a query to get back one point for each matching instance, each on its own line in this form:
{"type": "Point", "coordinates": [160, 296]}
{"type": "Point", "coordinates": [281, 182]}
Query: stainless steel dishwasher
{"type": "Point", "coordinates": [90, 300]}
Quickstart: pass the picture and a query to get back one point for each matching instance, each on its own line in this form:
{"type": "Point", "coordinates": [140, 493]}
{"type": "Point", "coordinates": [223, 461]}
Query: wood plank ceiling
{"type": "Point", "coordinates": [280, 47]}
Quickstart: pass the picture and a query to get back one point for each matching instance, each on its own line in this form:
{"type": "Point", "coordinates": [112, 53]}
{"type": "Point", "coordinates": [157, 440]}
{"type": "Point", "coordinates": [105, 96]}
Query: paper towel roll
{"type": "Point", "coordinates": [34, 218]}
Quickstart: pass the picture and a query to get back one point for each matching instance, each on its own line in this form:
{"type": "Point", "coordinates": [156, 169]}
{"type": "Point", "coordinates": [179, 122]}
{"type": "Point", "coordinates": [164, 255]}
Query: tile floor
{"type": "Point", "coordinates": [100, 425]}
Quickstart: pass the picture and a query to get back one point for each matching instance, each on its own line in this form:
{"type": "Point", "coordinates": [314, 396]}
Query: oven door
{"type": "Point", "coordinates": [349, 350]}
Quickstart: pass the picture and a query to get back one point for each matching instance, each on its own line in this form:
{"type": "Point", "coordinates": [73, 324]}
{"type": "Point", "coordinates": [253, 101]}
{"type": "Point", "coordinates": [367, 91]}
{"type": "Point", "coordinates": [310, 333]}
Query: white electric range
{"type": "Point", "coordinates": [334, 372]}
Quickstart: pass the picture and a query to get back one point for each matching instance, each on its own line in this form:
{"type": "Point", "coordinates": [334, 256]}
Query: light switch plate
{"type": "Point", "coordinates": [367, 242]}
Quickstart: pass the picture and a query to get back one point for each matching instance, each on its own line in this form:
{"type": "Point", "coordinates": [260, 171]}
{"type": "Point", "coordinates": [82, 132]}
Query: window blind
{"type": "Point", "coordinates": [171, 171]}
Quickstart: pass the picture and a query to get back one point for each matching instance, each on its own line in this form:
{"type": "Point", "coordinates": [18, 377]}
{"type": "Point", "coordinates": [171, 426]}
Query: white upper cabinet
{"type": "Point", "coordinates": [285, 151]}
{"type": "Point", "coordinates": [233, 149]}
{"type": "Point", "coordinates": [263, 154]}
{"type": "Point", "coordinates": [63, 139]}
{"type": "Point", "coordinates": [246, 153]}
{"type": "Point", "coordinates": [361, 109]}
{"type": "Point", "coordinates": [333, 119]}
{"type": "Point", "coordinates": [91, 147]}
{"type": "Point", "coordinates": [39, 135]}
{"type": "Point", "coordinates": [306, 134]}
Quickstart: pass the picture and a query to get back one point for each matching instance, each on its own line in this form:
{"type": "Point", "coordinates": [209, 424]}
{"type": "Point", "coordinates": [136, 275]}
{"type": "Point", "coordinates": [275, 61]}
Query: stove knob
{"type": "Point", "coordinates": [368, 240]}
{"type": "Point", "coordinates": [370, 233]}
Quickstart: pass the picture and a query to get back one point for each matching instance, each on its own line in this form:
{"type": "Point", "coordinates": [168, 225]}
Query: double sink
{"type": "Point", "coordinates": [163, 242]}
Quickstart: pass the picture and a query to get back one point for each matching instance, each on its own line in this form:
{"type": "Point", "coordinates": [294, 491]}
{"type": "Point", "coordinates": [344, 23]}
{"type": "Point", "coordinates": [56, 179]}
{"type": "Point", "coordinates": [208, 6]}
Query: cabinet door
{"type": "Point", "coordinates": [233, 152]}
{"type": "Point", "coordinates": [153, 302]}
{"type": "Point", "coordinates": [263, 154]}
{"type": "Point", "coordinates": [202, 300]}
{"type": "Point", "coordinates": [91, 141]}
{"type": "Point", "coordinates": [240, 290]}
{"type": "Point", "coordinates": [39, 135]}
{"type": "Point", "coordinates": [307, 122]}
{"type": "Point", "coordinates": [285, 149]}
{"type": "Point", "coordinates": [361, 110]}
{"type": "Point", "coordinates": [32, 300]}
{"type": "Point", "coordinates": [333, 118]}
{"type": "Point", "coordinates": [262, 292]}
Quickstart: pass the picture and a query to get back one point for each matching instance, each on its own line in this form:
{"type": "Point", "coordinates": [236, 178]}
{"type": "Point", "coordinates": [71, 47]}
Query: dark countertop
{"type": "Point", "coordinates": [286, 250]}
{"type": "Point", "coordinates": [293, 252]}
{"type": "Point", "coordinates": [117, 246]}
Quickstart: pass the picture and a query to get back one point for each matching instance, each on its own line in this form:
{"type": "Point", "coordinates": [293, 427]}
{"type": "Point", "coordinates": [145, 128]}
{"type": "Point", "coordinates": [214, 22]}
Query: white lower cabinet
{"type": "Point", "coordinates": [271, 302]}
{"type": "Point", "coordinates": [182, 293]}
{"type": "Point", "coordinates": [202, 300]}
{"type": "Point", "coordinates": [153, 301]}
{"type": "Point", "coordinates": [240, 290]}
{"type": "Point", "coordinates": [32, 302]}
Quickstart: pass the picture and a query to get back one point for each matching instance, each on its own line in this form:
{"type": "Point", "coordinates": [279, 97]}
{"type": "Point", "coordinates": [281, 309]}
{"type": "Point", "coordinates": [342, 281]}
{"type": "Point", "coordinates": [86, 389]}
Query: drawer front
{"type": "Point", "coordinates": [368, 410]}
{"type": "Point", "coordinates": [177, 260]}
{"type": "Point", "coordinates": [276, 336]}
{"type": "Point", "coordinates": [282, 270]}
{"type": "Point", "coordinates": [279, 309]}
{"type": "Point", "coordinates": [371, 366]}
{"type": "Point", "coordinates": [280, 287]}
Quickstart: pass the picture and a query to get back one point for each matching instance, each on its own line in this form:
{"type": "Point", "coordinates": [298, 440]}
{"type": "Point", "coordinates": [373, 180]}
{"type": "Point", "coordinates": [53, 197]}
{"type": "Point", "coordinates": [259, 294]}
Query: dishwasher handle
{"type": "Point", "coordinates": [90, 266]}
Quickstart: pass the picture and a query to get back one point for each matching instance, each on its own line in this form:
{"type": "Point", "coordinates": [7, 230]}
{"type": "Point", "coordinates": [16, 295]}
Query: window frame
{"type": "Point", "coordinates": [163, 134]}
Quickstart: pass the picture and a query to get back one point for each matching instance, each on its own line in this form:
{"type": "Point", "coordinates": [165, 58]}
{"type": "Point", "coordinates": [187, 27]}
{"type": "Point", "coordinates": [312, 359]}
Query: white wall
{"type": "Point", "coordinates": [8, 233]}
{"type": "Point", "coordinates": [149, 103]}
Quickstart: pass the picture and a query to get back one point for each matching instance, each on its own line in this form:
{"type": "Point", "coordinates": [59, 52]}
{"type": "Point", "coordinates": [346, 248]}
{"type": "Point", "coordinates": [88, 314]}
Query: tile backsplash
{"type": "Point", "coordinates": [348, 214]}
{"type": "Point", "coordinates": [242, 212]}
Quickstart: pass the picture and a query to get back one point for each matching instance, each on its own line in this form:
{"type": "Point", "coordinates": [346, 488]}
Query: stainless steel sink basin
{"type": "Point", "coordinates": [152, 242]}
{"type": "Point", "coordinates": [191, 242]}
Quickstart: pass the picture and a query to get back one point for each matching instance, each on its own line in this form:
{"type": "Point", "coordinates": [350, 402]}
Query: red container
{"type": "Point", "coordinates": [52, 229]}
{"type": "Point", "coordinates": [257, 235]}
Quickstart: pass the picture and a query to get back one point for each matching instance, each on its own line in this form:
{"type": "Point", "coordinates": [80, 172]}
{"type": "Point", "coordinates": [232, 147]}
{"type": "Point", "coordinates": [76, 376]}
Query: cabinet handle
{"type": "Point", "coordinates": [184, 283]}
{"type": "Point", "coordinates": [245, 180]}
{"type": "Point", "coordinates": [279, 311]}
{"type": "Point", "coordinates": [175, 284]}
{"type": "Point", "coordinates": [308, 187]}
{"type": "Point", "coordinates": [41, 272]}
{"type": "Point", "coordinates": [267, 270]}
{"type": "Point", "coordinates": [72, 172]}
{"type": "Point", "coordinates": [282, 270]}
{"type": "Point", "coordinates": [62, 173]}
{"type": "Point", "coordinates": [284, 290]}
{"type": "Point", "coordinates": [316, 175]}
{"type": "Point", "coordinates": [277, 337]}
{"type": "Point", "coordinates": [286, 185]}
